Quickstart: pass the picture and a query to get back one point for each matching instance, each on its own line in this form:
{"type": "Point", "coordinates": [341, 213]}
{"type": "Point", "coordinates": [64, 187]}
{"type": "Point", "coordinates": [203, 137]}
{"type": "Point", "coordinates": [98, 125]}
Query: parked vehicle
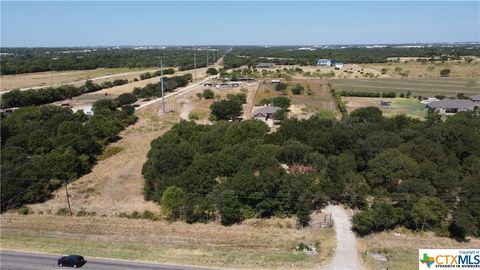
{"type": "Point", "coordinates": [72, 261]}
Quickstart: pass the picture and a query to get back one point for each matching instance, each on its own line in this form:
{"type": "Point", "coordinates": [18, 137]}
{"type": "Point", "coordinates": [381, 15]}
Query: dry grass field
{"type": "Point", "coordinates": [421, 86]}
{"type": "Point", "coordinates": [315, 97]}
{"type": "Point", "coordinates": [401, 248]}
{"type": "Point", "coordinates": [254, 244]}
{"type": "Point", "coordinates": [44, 79]}
{"type": "Point", "coordinates": [459, 69]}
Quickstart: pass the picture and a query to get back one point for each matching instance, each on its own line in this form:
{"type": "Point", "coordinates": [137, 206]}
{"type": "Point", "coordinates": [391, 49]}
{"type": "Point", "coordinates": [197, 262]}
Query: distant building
{"type": "Point", "coordinates": [338, 65]}
{"type": "Point", "coordinates": [324, 62]}
{"type": "Point", "coordinates": [428, 100]}
{"type": "Point", "coordinates": [275, 81]}
{"type": "Point", "coordinates": [452, 105]}
{"type": "Point", "coordinates": [265, 65]}
{"type": "Point", "coordinates": [227, 84]}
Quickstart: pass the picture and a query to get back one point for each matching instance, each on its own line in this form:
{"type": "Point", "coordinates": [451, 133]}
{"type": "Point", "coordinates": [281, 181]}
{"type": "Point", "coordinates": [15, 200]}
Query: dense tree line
{"type": "Point", "coordinates": [25, 60]}
{"type": "Point", "coordinates": [346, 93]}
{"type": "Point", "coordinates": [46, 146]}
{"type": "Point", "coordinates": [397, 171]}
{"type": "Point", "coordinates": [169, 84]}
{"type": "Point", "coordinates": [251, 56]}
{"type": "Point", "coordinates": [30, 97]}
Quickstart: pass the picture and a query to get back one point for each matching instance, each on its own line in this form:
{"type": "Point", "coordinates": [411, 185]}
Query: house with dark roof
{"type": "Point", "coordinates": [475, 98]}
{"type": "Point", "coordinates": [265, 114]}
{"type": "Point", "coordinates": [452, 105]}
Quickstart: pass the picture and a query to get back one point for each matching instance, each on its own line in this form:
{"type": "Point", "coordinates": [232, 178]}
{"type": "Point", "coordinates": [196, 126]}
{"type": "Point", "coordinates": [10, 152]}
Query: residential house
{"type": "Point", "coordinates": [324, 62]}
{"type": "Point", "coordinates": [452, 105]}
{"type": "Point", "coordinates": [265, 114]}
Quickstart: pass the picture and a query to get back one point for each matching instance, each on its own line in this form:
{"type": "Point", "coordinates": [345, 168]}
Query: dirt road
{"type": "Point", "coordinates": [346, 256]}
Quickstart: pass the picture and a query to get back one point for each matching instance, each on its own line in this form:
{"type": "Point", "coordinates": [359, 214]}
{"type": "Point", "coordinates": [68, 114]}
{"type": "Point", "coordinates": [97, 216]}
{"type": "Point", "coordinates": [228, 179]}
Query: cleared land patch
{"type": "Point", "coordinates": [401, 246]}
{"type": "Point", "coordinates": [408, 106]}
{"type": "Point", "coordinates": [255, 244]}
{"type": "Point", "coordinates": [314, 98]}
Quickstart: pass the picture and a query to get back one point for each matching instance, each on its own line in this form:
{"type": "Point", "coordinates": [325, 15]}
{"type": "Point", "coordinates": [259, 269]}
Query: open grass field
{"type": "Point", "coordinates": [401, 248]}
{"type": "Point", "coordinates": [44, 79]}
{"type": "Point", "coordinates": [408, 106]}
{"type": "Point", "coordinates": [459, 69]}
{"type": "Point", "coordinates": [255, 244]}
{"type": "Point", "coordinates": [424, 87]}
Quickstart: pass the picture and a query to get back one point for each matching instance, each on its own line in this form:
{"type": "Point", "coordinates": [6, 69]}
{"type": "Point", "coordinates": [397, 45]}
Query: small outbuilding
{"type": "Point", "coordinates": [265, 65]}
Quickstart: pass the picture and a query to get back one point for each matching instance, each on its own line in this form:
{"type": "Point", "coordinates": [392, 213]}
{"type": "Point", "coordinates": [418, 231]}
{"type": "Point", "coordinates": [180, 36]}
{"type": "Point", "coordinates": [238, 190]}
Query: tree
{"type": "Point", "coordinates": [212, 71]}
{"type": "Point", "coordinates": [303, 210]}
{"type": "Point", "coordinates": [208, 94]}
{"type": "Point", "coordinates": [297, 89]}
{"type": "Point", "coordinates": [293, 152]}
{"type": "Point", "coordinates": [173, 201]}
{"type": "Point", "coordinates": [389, 168]}
{"type": "Point", "coordinates": [368, 114]}
{"type": "Point", "coordinates": [126, 98]}
{"type": "Point", "coordinates": [445, 72]}
{"type": "Point", "coordinates": [427, 212]}
{"type": "Point", "coordinates": [363, 222]}
{"type": "Point", "coordinates": [282, 102]}
{"type": "Point", "coordinates": [226, 109]}
{"type": "Point", "coordinates": [229, 208]}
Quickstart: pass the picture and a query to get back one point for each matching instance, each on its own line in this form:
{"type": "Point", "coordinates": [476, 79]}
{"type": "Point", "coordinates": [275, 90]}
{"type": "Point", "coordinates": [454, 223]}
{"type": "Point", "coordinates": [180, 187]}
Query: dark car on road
{"type": "Point", "coordinates": [72, 261]}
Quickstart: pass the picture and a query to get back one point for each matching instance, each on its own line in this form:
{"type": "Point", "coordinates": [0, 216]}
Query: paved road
{"type": "Point", "coordinates": [346, 256]}
{"type": "Point", "coordinates": [180, 91]}
{"type": "Point", "coordinates": [10, 260]}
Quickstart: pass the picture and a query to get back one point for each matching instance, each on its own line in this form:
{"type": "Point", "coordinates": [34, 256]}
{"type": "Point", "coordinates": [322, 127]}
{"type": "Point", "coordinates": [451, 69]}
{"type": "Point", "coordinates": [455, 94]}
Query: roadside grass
{"type": "Point", "coordinates": [254, 244]}
{"type": "Point", "coordinates": [424, 87]}
{"type": "Point", "coordinates": [401, 245]}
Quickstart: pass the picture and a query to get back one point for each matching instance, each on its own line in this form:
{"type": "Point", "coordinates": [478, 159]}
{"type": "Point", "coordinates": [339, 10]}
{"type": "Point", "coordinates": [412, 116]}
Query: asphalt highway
{"type": "Point", "coordinates": [10, 260]}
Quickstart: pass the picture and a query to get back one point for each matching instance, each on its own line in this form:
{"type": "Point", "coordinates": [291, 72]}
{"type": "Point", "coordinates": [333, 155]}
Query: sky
{"type": "Point", "coordinates": [112, 23]}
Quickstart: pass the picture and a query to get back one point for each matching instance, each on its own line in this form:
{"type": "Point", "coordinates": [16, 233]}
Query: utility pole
{"type": "Point", "coordinates": [68, 197]}
{"type": "Point", "coordinates": [161, 83]}
{"type": "Point", "coordinates": [194, 66]}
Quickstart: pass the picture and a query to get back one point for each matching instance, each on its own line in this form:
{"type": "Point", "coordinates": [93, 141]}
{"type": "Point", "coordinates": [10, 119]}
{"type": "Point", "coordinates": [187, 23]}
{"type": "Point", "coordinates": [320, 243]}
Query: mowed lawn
{"type": "Point", "coordinates": [408, 106]}
{"type": "Point", "coordinates": [427, 87]}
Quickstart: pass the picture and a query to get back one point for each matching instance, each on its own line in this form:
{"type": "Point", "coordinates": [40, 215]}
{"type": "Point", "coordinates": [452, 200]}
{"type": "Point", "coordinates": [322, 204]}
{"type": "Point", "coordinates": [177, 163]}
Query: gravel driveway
{"type": "Point", "coordinates": [346, 256]}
